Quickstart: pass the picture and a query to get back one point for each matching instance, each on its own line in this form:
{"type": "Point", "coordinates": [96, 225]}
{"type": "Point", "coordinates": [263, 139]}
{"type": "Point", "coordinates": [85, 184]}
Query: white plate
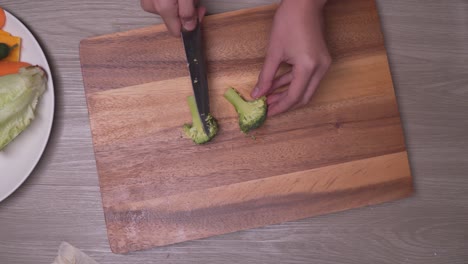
{"type": "Point", "coordinates": [20, 157]}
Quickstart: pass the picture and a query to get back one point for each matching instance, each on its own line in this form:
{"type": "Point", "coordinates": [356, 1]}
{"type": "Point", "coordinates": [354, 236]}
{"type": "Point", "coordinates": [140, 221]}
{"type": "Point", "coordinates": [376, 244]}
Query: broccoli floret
{"type": "Point", "coordinates": [252, 114]}
{"type": "Point", "coordinates": [195, 131]}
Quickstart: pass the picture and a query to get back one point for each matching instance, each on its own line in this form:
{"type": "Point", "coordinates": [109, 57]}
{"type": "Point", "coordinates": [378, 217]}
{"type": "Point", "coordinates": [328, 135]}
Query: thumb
{"type": "Point", "coordinates": [201, 12]}
{"type": "Point", "coordinates": [267, 75]}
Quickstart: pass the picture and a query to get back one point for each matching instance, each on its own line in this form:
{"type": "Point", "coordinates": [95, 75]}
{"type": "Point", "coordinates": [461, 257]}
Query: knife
{"type": "Point", "coordinates": [196, 63]}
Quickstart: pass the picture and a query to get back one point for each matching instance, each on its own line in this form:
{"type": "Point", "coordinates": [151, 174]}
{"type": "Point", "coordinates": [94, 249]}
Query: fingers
{"type": "Point", "coordinates": [169, 12]}
{"type": "Point", "coordinates": [148, 6]}
{"type": "Point", "coordinates": [272, 99]}
{"type": "Point", "coordinates": [201, 12]}
{"type": "Point", "coordinates": [281, 81]}
{"type": "Point", "coordinates": [299, 92]}
{"type": "Point", "coordinates": [314, 83]}
{"type": "Point", "coordinates": [287, 99]}
{"type": "Point", "coordinates": [188, 14]}
{"type": "Point", "coordinates": [177, 14]}
{"type": "Point", "coordinates": [265, 79]}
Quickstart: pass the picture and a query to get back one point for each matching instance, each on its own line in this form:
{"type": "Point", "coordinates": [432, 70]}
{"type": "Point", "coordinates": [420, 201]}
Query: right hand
{"type": "Point", "coordinates": [297, 38]}
{"type": "Point", "coordinates": [177, 14]}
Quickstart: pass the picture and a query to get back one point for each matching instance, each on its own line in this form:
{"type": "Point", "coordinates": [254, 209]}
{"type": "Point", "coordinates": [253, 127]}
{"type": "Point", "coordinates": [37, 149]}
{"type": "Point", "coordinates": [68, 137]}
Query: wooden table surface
{"type": "Point", "coordinates": [427, 41]}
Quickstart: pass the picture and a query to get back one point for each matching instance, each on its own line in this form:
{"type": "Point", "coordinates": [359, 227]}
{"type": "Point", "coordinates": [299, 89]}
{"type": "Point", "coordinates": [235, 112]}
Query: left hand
{"type": "Point", "coordinates": [297, 38]}
{"type": "Point", "coordinates": [177, 14]}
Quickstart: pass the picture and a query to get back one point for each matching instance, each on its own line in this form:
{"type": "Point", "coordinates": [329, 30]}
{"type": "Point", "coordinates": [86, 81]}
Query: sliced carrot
{"type": "Point", "coordinates": [12, 41]}
{"type": "Point", "coordinates": [2, 17]}
{"type": "Point", "coordinates": [11, 67]}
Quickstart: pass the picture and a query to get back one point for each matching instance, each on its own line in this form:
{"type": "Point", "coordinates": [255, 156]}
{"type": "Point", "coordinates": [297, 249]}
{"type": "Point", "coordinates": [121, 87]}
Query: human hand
{"type": "Point", "coordinates": [177, 14]}
{"type": "Point", "coordinates": [297, 38]}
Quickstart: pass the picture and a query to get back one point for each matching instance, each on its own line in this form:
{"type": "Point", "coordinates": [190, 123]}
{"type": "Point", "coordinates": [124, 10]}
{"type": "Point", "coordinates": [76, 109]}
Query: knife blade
{"type": "Point", "coordinates": [193, 45]}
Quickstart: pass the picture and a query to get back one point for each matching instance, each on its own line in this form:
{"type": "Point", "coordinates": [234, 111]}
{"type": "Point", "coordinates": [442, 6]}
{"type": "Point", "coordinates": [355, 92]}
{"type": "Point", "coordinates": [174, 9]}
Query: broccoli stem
{"type": "Point", "coordinates": [235, 98]}
{"type": "Point", "coordinates": [196, 120]}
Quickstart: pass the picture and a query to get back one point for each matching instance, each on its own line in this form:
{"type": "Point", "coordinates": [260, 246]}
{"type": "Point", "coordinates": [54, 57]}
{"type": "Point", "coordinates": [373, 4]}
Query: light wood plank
{"type": "Point", "coordinates": [230, 208]}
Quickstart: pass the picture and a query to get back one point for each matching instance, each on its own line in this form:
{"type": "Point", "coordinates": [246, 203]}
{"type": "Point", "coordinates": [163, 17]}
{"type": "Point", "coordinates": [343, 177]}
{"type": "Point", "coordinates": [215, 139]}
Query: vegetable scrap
{"type": "Point", "coordinates": [19, 94]}
{"type": "Point", "coordinates": [10, 46]}
{"type": "Point", "coordinates": [21, 86]}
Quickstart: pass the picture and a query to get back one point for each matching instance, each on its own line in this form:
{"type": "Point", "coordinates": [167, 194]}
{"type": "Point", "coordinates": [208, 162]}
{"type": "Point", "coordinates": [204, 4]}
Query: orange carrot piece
{"type": "Point", "coordinates": [2, 17]}
{"type": "Point", "coordinates": [11, 67]}
{"type": "Point", "coordinates": [11, 41]}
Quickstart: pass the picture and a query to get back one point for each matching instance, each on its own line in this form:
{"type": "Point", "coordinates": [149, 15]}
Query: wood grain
{"type": "Point", "coordinates": [149, 173]}
{"type": "Point", "coordinates": [218, 210]}
{"type": "Point", "coordinates": [119, 66]}
{"type": "Point", "coordinates": [426, 44]}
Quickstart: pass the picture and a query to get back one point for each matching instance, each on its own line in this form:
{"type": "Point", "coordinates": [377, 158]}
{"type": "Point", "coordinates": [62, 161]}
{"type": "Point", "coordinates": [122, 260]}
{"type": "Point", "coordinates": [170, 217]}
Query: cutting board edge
{"type": "Point", "coordinates": [85, 42]}
{"type": "Point", "coordinates": [407, 194]}
{"type": "Point", "coordinates": [397, 187]}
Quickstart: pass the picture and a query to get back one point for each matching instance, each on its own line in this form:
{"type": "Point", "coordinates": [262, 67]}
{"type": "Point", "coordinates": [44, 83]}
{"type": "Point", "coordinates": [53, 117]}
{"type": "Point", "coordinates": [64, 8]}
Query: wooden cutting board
{"type": "Point", "coordinates": [344, 150]}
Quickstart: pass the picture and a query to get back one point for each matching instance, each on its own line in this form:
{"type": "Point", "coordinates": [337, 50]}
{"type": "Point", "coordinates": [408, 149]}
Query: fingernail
{"type": "Point", "coordinates": [255, 92]}
{"type": "Point", "coordinates": [189, 24]}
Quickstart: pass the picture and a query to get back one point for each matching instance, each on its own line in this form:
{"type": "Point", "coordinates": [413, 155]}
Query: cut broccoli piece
{"type": "Point", "coordinates": [252, 114]}
{"type": "Point", "coordinates": [195, 130]}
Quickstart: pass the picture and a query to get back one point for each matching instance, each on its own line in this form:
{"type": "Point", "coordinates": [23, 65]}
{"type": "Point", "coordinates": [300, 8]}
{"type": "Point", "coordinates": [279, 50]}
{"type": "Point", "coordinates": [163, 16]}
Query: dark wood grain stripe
{"type": "Point", "coordinates": [349, 130]}
{"type": "Point", "coordinates": [199, 214]}
{"type": "Point", "coordinates": [351, 31]}
{"type": "Point", "coordinates": [146, 215]}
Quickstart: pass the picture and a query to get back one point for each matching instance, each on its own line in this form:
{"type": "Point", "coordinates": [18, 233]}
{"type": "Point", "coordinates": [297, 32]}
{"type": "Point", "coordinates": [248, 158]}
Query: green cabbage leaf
{"type": "Point", "coordinates": [19, 94]}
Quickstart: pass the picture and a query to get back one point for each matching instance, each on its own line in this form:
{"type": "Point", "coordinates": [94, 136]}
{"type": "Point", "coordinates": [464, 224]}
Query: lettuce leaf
{"type": "Point", "coordinates": [19, 94]}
